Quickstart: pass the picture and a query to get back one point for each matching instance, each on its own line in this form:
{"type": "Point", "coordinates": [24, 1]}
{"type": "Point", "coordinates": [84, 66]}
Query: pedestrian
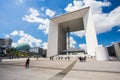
{"type": "Point", "coordinates": [84, 58]}
{"type": "Point", "coordinates": [0, 59]}
{"type": "Point", "coordinates": [68, 58]}
{"type": "Point", "coordinates": [27, 63]}
{"type": "Point", "coordinates": [80, 58]}
{"type": "Point", "coordinates": [37, 58]}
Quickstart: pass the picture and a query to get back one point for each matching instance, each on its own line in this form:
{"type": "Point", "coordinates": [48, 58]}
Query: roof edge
{"type": "Point", "coordinates": [69, 12]}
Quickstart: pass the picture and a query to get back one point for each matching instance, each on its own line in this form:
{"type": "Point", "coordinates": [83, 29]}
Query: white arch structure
{"type": "Point", "coordinates": [76, 21]}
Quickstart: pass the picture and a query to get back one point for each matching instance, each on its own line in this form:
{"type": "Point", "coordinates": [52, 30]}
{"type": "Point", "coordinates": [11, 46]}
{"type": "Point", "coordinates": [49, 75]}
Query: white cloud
{"type": "Point", "coordinates": [103, 21]}
{"type": "Point", "coordinates": [77, 4]}
{"type": "Point", "coordinates": [50, 13]}
{"type": "Point", "coordinates": [26, 38]}
{"type": "Point", "coordinates": [95, 5]}
{"type": "Point", "coordinates": [72, 42]}
{"type": "Point", "coordinates": [34, 17]}
{"type": "Point", "coordinates": [79, 33]}
{"type": "Point", "coordinates": [83, 46]}
{"type": "Point", "coordinates": [100, 45]}
{"type": "Point", "coordinates": [21, 1]}
{"type": "Point", "coordinates": [118, 30]}
{"type": "Point", "coordinates": [7, 36]}
{"type": "Point", "coordinates": [14, 33]}
{"type": "Point", "coordinates": [45, 44]}
{"type": "Point", "coordinates": [14, 44]}
{"type": "Point", "coordinates": [42, 8]}
{"type": "Point", "coordinates": [44, 27]}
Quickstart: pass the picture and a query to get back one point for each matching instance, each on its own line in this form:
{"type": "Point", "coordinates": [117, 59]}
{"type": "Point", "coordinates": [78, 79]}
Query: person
{"type": "Point", "coordinates": [84, 58]}
{"type": "Point", "coordinates": [0, 59]}
{"type": "Point", "coordinates": [80, 58]}
{"type": "Point", "coordinates": [68, 58]}
{"type": "Point", "coordinates": [27, 63]}
{"type": "Point", "coordinates": [37, 58]}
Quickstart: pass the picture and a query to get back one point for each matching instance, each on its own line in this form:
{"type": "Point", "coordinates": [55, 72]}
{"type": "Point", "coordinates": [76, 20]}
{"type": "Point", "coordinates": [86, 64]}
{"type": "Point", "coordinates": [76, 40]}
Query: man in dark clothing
{"type": "Point", "coordinates": [27, 63]}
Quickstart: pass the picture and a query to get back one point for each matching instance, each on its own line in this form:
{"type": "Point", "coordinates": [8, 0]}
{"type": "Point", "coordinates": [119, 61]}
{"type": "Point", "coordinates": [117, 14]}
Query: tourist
{"type": "Point", "coordinates": [68, 58]}
{"type": "Point", "coordinates": [84, 58]}
{"type": "Point", "coordinates": [80, 58]}
{"type": "Point", "coordinates": [27, 63]}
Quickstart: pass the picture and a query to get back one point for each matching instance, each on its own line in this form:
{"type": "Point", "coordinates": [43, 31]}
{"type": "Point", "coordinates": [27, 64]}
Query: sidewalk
{"type": "Point", "coordinates": [46, 69]}
{"type": "Point", "coordinates": [109, 70]}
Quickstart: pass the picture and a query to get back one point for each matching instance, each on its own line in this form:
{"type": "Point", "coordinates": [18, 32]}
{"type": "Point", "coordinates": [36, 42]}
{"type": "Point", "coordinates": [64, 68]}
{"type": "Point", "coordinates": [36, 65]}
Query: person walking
{"type": "Point", "coordinates": [27, 63]}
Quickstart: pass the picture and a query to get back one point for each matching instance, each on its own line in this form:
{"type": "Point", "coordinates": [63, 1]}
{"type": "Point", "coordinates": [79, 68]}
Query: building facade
{"type": "Point", "coordinates": [76, 21]}
{"type": "Point", "coordinates": [5, 42]}
{"type": "Point", "coordinates": [36, 51]}
{"type": "Point", "coordinates": [114, 50]}
{"type": "Point", "coordinates": [2, 42]}
{"type": "Point", "coordinates": [8, 42]}
{"type": "Point", "coordinates": [117, 50]}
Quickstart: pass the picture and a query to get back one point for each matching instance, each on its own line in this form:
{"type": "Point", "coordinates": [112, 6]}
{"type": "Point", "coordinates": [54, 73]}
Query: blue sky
{"type": "Point", "coordinates": [28, 20]}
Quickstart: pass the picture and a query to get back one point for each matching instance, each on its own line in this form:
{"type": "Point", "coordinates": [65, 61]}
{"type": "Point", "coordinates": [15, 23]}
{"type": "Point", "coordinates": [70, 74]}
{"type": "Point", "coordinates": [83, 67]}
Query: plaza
{"type": "Point", "coordinates": [45, 69]}
{"type": "Point", "coordinates": [60, 40]}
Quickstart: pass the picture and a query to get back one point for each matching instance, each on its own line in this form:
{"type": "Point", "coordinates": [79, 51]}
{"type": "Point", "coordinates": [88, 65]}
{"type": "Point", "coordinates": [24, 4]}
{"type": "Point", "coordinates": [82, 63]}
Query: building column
{"type": "Point", "coordinates": [90, 33]}
{"type": "Point", "coordinates": [52, 39]}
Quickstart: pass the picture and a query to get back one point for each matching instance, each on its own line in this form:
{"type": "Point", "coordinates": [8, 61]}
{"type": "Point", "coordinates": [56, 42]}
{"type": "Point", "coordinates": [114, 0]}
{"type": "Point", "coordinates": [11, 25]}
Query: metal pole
{"type": "Point", "coordinates": [68, 40]}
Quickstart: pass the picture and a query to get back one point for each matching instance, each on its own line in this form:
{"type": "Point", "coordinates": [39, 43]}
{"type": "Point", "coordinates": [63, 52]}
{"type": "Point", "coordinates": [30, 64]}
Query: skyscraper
{"type": "Point", "coordinates": [5, 42]}
{"type": "Point", "coordinates": [8, 42]}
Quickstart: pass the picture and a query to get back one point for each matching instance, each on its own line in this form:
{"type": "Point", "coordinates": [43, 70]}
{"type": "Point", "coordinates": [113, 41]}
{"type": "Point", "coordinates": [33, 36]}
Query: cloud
{"type": "Point", "coordinates": [103, 21]}
{"type": "Point", "coordinates": [83, 46]}
{"type": "Point", "coordinates": [7, 36]}
{"type": "Point", "coordinates": [72, 42]}
{"type": "Point", "coordinates": [95, 5]}
{"type": "Point", "coordinates": [26, 38]}
{"type": "Point", "coordinates": [50, 13]}
{"type": "Point", "coordinates": [79, 33]}
{"type": "Point", "coordinates": [14, 33]}
{"type": "Point", "coordinates": [118, 30]}
{"type": "Point", "coordinates": [21, 1]}
{"type": "Point", "coordinates": [77, 4]}
{"type": "Point", "coordinates": [14, 44]}
{"type": "Point", "coordinates": [44, 27]}
{"type": "Point", "coordinates": [34, 17]}
{"type": "Point", "coordinates": [45, 44]}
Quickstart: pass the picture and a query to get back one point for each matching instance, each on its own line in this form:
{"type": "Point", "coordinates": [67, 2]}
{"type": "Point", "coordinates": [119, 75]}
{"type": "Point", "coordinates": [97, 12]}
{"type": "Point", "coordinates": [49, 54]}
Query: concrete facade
{"type": "Point", "coordinates": [76, 21]}
{"type": "Point", "coordinates": [117, 49]}
{"type": "Point", "coordinates": [5, 42]}
{"type": "Point", "coordinates": [36, 50]}
{"type": "Point", "coordinates": [102, 54]}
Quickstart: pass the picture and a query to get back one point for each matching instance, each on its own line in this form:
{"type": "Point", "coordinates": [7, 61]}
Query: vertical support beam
{"type": "Point", "coordinates": [68, 36]}
{"type": "Point", "coordinates": [117, 50]}
{"type": "Point", "coordinates": [52, 39]}
{"type": "Point", "coordinates": [90, 33]}
{"type": "Point", "coordinates": [61, 40]}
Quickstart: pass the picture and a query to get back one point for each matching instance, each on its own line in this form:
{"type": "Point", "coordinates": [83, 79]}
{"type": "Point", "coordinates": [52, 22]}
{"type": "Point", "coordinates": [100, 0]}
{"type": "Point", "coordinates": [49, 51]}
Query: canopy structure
{"type": "Point", "coordinates": [73, 50]}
